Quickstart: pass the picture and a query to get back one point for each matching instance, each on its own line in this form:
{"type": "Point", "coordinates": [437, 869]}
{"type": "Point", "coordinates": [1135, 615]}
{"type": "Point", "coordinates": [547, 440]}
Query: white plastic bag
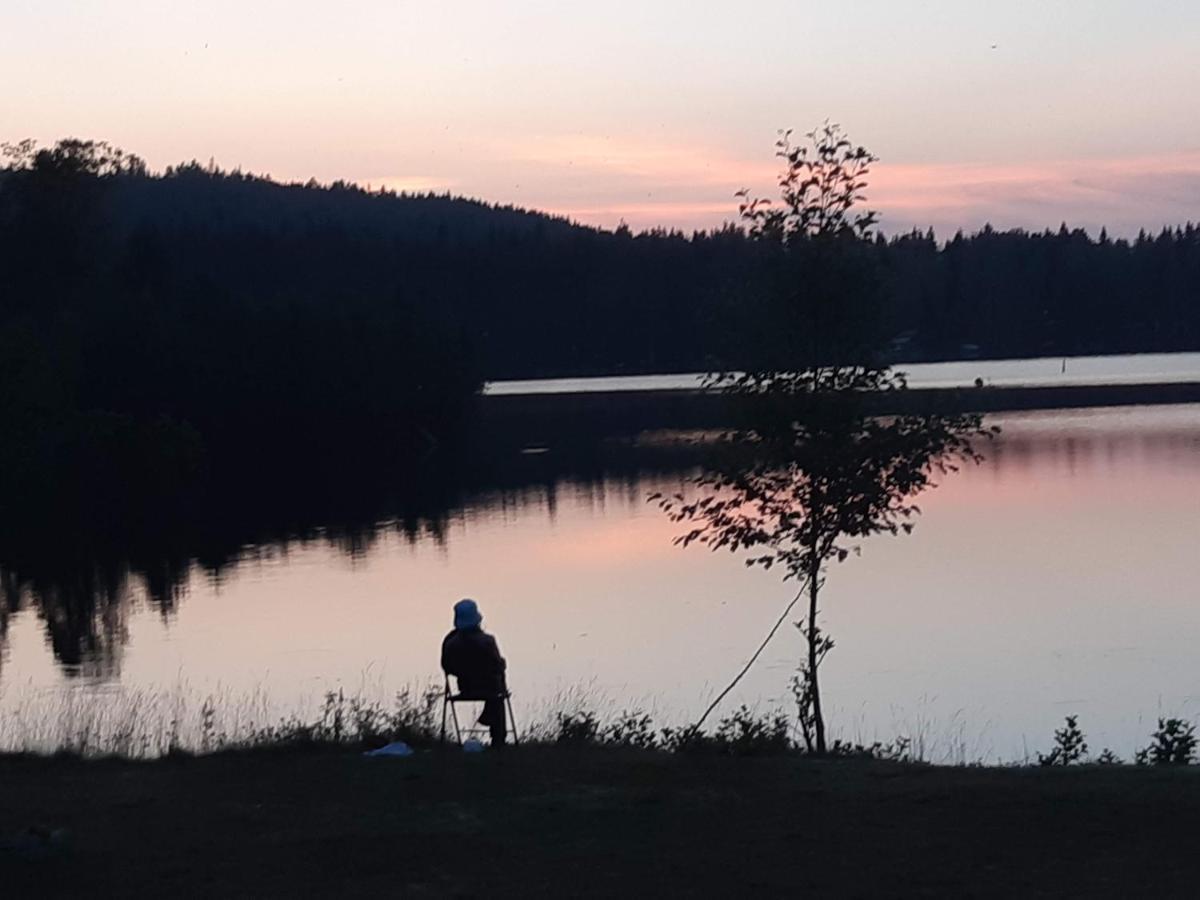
{"type": "Point", "coordinates": [396, 748]}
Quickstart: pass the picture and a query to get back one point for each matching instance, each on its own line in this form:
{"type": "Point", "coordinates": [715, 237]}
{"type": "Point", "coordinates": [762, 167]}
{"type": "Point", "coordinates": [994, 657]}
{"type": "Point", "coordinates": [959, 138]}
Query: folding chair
{"type": "Point", "coordinates": [449, 704]}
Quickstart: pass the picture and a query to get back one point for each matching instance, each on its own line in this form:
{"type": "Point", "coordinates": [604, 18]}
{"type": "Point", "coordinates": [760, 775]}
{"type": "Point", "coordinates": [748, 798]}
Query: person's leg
{"type": "Point", "coordinates": [494, 718]}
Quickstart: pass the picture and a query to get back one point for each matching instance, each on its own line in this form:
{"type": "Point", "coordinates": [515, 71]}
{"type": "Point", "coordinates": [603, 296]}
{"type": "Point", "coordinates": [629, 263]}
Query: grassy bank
{"type": "Point", "coordinates": [568, 821]}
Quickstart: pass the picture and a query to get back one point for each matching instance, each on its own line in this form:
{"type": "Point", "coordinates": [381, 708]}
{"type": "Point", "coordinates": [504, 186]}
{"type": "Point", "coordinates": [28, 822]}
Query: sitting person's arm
{"type": "Point", "coordinates": [494, 654]}
{"type": "Point", "coordinates": [497, 662]}
{"type": "Point", "coordinates": [450, 658]}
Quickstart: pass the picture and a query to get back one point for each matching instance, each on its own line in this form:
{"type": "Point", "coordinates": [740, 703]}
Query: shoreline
{"type": "Point", "coordinates": [547, 418]}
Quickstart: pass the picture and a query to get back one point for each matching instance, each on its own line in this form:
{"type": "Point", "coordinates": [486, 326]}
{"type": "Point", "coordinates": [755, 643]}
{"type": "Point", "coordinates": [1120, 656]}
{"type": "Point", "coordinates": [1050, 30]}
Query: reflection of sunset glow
{"type": "Point", "coordinates": [631, 541]}
{"type": "Point", "coordinates": [1063, 568]}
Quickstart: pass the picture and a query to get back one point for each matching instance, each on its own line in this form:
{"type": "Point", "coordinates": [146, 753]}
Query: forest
{"type": "Point", "coordinates": [230, 316]}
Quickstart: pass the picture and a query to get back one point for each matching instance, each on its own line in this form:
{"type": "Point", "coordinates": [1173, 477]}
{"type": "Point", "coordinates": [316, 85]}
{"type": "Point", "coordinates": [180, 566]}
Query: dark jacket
{"type": "Point", "coordinates": [473, 658]}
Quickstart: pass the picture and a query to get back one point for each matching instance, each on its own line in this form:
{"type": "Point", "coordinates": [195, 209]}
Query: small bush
{"type": "Point", "coordinates": [631, 729]}
{"type": "Point", "coordinates": [355, 721]}
{"type": "Point", "coordinates": [1069, 745]}
{"type": "Point", "coordinates": [576, 728]}
{"type": "Point", "coordinates": [414, 716]}
{"type": "Point", "coordinates": [1172, 744]}
{"type": "Point", "coordinates": [742, 733]}
{"type": "Point", "coordinates": [899, 750]}
{"type": "Point", "coordinates": [688, 739]}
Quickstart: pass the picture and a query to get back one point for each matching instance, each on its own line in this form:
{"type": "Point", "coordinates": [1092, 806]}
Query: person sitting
{"type": "Point", "coordinates": [473, 658]}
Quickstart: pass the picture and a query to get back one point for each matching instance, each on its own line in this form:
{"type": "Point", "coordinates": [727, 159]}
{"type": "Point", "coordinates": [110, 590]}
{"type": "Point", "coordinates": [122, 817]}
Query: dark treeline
{"type": "Point", "coordinates": [1014, 293]}
{"type": "Point", "coordinates": [153, 328]}
{"type": "Point", "coordinates": [243, 266]}
{"type": "Point", "coordinates": [155, 324]}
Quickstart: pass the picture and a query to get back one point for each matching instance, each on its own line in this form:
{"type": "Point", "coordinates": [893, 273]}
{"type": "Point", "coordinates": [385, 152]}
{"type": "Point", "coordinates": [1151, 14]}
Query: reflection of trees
{"type": "Point", "coordinates": [82, 583]}
{"type": "Point", "coordinates": [1102, 440]}
{"type": "Point", "coordinates": [10, 601]}
{"type": "Point", "coordinates": [85, 616]}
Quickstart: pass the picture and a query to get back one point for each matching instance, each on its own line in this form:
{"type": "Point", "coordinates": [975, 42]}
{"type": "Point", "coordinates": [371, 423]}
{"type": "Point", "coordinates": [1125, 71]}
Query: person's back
{"type": "Point", "coordinates": [473, 658]}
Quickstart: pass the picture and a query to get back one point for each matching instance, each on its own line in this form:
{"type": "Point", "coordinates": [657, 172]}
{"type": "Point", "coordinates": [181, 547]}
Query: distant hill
{"type": "Point", "coordinates": [532, 294]}
{"type": "Point", "coordinates": [191, 193]}
{"type": "Point", "coordinates": [527, 294]}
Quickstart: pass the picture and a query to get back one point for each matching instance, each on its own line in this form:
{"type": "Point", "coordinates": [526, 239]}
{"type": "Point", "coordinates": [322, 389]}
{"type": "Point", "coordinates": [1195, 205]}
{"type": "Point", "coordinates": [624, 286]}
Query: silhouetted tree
{"type": "Point", "coordinates": [812, 470]}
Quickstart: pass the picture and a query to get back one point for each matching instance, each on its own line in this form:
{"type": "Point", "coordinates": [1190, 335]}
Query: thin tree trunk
{"type": "Point", "coordinates": [814, 637]}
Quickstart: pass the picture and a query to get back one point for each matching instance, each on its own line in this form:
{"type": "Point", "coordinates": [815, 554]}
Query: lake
{"type": "Point", "coordinates": [1060, 577]}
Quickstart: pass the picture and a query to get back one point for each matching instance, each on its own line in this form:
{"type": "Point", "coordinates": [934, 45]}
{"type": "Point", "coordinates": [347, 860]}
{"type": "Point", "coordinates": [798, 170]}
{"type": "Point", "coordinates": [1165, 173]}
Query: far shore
{"type": "Point", "coordinates": [548, 417]}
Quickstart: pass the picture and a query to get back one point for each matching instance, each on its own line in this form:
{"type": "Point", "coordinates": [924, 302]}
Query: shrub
{"type": "Point", "coordinates": [1172, 744]}
{"type": "Point", "coordinates": [356, 721]}
{"type": "Point", "coordinates": [899, 750]}
{"type": "Point", "coordinates": [744, 733]}
{"type": "Point", "coordinates": [576, 728]}
{"type": "Point", "coordinates": [1069, 745]}
{"type": "Point", "coordinates": [688, 739]}
{"type": "Point", "coordinates": [631, 729]}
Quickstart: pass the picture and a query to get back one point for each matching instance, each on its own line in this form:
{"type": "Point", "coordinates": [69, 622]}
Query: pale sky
{"type": "Point", "coordinates": [1022, 112]}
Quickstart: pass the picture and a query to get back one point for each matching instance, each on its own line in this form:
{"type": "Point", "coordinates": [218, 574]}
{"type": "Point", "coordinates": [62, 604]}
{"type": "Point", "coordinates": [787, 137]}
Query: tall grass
{"type": "Point", "coordinates": [145, 724]}
{"type": "Point", "coordinates": [148, 724]}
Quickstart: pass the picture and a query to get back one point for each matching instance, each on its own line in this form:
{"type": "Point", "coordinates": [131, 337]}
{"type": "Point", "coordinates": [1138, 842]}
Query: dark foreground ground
{"type": "Point", "coordinates": [552, 822]}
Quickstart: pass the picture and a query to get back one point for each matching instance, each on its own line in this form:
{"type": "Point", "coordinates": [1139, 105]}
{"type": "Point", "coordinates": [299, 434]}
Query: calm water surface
{"type": "Point", "coordinates": [1061, 577]}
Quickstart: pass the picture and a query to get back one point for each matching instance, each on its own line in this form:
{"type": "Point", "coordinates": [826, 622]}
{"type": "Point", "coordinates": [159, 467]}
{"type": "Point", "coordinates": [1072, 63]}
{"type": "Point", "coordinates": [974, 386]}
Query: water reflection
{"type": "Point", "coordinates": [82, 585]}
{"type": "Point", "coordinates": [1067, 442]}
{"type": "Point", "coordinates": [1059, 577]}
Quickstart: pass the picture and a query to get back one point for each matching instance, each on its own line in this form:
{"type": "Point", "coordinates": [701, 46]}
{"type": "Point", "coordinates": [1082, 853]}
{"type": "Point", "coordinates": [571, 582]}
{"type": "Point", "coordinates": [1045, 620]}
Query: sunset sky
{"type": "Point", "coordinates": [1022, 113]}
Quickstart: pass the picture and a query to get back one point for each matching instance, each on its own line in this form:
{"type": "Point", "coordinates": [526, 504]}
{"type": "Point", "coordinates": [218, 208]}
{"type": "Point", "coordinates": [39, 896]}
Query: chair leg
{"type": "Point", "coordinates": [512, 723]}
{"type": "Point", "coordinates": [450, 707]}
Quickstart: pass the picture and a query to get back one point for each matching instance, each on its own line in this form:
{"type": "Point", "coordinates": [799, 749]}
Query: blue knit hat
{"type": "Point", "coordinates": [466, 614]}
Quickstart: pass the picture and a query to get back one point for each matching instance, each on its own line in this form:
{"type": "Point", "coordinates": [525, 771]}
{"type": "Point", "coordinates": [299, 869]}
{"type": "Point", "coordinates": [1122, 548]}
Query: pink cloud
{"type": "Point", "coordinates": [1123, 193]}
{"type": "Point", "coordinates": [659, 163]}
{"type": "Point", "coordinates": [647, 183]}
